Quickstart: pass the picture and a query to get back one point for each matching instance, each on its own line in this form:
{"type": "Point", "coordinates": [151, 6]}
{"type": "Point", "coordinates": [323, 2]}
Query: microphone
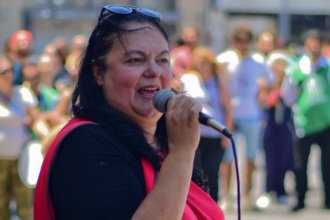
{"type": "Point", "coordinates": [161, 98]}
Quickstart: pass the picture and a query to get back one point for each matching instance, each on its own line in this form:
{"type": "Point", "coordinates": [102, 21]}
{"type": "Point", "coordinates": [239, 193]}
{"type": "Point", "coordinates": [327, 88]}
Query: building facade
{"type": "Point", "coordinates": [48, 19]}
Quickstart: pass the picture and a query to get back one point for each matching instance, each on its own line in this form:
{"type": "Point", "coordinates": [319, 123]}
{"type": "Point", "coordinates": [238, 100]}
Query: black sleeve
{"type": "Point", "coordinates": [92, 179]}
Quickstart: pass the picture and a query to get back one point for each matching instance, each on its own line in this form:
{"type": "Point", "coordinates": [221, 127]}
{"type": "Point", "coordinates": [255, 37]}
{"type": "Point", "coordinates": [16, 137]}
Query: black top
{"type": "Point", "coordinates": [95, 177]}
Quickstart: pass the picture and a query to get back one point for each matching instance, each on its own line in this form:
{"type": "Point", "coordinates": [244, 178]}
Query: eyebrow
{"type": "Point", "coordinates": [140, 52]}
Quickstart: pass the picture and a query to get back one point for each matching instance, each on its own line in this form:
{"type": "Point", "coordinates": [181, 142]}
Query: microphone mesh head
{"type": "Point", "coordinates": [160, 99]}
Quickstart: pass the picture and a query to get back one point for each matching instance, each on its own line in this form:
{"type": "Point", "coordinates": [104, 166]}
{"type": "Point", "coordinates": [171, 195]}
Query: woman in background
{"type": "Point", "coordinates": [204, 82]}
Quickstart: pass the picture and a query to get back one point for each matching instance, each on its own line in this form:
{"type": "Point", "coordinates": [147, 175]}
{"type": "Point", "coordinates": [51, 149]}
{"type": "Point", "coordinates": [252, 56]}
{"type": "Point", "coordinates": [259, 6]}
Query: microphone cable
{"type": "Point", "coordinates": [238, 187]}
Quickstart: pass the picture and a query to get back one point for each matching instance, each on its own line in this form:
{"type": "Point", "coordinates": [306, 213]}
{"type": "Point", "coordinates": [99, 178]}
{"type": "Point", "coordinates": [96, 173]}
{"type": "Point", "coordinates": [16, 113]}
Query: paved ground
{"type": "Point", "coordinates": [278, 212]}
{"type": "Point", "coordinates": [313, 211]}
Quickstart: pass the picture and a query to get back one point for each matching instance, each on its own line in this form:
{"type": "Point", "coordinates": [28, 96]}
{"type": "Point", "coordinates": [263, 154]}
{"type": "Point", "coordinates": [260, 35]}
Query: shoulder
{"type": "Point", "coordinates": [88, 136]}
{"type": "Point", "coordinates": [228, 56]}
{"type": "Point", "coordinates": [258, 57]}
{"type": "Point", "coordinates": [90, 141]}
{"type": "Point", "coordinates": [25, 95]}
{"type": "Point", "coordinates": [301, 65]}
{"type": "Point", "coordinates": [89, 158]}
{"type": "Point", "coordinates": [88, 145]}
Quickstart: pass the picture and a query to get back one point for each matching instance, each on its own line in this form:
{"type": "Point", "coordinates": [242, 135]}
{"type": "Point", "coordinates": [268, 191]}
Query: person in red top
{"type": "Point", "coordinates": [119, 158]}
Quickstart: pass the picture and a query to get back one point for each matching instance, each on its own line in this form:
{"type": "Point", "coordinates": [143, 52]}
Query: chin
{"type": "Point", "coordinates": [150, 113]}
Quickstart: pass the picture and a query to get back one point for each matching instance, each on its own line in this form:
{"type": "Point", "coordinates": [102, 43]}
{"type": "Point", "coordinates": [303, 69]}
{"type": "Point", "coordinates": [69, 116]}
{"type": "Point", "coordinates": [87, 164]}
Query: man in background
{"type": "Point", "coordinates": [308, 91]}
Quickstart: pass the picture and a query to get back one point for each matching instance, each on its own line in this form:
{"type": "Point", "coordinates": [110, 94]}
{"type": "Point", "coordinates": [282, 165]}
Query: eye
{"type": "Point", "coordinates": [134, 60]}
{"type": "Point", "coordinates": [163, 60]}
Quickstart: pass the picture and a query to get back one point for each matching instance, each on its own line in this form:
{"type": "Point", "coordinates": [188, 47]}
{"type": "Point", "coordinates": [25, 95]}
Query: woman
{"type": "Point", "coordinates": [204, 82]}
{"type": "Point", "coordinates": [129, 161]}
{"type": "Point", "coordinates": [277, 126]}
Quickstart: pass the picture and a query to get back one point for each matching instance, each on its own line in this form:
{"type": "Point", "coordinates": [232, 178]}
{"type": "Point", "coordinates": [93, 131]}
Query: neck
{"type": "Point", "coordinates": [243, 55]}
{"type": "Point", "coordinates": [315, 57]}
{"type": "Point", "coordinates": [149, 134]}
{"type": "Point", "coordinates": [48, 80]}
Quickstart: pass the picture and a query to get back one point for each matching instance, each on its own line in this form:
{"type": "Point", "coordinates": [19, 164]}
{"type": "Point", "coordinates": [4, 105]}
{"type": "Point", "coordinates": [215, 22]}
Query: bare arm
{"type": "Point", "coordinates": [168, 197]}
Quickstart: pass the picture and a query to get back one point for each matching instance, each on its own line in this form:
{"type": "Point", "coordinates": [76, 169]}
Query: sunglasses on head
{"type": "Point", "coordinates": [127, 10]}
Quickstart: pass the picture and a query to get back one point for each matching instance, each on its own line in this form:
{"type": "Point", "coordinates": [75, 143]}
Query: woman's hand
{"type": "Point", "coordinates": [182, 124]}
{"type": "Point", "coordinates": [167, 199]}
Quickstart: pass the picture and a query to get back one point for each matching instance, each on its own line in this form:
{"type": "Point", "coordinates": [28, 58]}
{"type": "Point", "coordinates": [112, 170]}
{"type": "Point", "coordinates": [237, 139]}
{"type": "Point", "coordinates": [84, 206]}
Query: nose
{"type": "Point", "coordinates": [153, 69]}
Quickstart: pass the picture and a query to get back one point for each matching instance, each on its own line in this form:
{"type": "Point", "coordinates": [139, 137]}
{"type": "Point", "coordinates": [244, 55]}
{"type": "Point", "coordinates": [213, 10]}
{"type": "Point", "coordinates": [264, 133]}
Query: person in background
{"type": "Point", "coordinates": [58, 117]}
{"type": "Point", "coordinates": [53, 105]}
{"type": "Point", "coordinates": [78, 45]}
{"type": "Point", "coordinates": [127, 160]}
{"type": "Point", "coordinates": [58, 73]}
{"type": "Point", "coordinates": [46, 95]}
{"type": "Point", "coordinates": [243, 74]}
{"type": "Point", "coordinates": [73, 60]}
{"type": "Point", "coordinates": [326, 47]}
{"type": "Point", "coordinates": [204, 82]}
{"type": "Point", "coordinates": [47, 99]}
{"type": "Point", "coordinates": [181, 54]}
{"type": "Point", "coordinates": [62, 48]}
{"type": "Point", "coordinates": [19, 51]}
{"type": "Point", "coordinates": [277, 125]}
{"type": "Point", "coordinates": [265, 44]}
{"type": "Point", "coordinates": [49, 67]}
{"type": "Point", "coordinates": [17, 113]}
{"type": "Point", "coordinates": [307, 89]}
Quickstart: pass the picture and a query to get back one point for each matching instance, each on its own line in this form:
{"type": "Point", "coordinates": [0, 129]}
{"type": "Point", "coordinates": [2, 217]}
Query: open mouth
{"type": "Point", "coordinates": [148, 91]}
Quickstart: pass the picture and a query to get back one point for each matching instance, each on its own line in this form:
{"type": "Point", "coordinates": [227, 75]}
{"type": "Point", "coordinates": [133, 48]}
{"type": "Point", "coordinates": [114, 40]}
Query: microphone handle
{"type": "Point", "coordinates": [208, 121]}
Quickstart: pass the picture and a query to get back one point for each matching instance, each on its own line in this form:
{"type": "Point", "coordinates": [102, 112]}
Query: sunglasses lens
{"type": "Point", "coordinates": [150, 13]}
{"type": "Point", "coordinates": [119, 9]}
{"type": "Point", "coordinates": [124, 10]}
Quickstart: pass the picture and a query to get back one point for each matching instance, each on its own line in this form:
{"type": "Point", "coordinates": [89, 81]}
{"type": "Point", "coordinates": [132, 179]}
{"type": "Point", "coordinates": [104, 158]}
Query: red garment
{"type": "Point", "coordinates": [273, 98]}
{"type": "Point", "coordinates": [43, 207]}
{"type": "Point", "coordinates": [199, 204]}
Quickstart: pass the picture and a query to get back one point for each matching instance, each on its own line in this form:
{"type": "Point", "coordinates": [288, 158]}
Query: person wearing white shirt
{"type": "Point", "coordinates": [16, 110]}
{"type": "Point", "coordinates": [243, 74]}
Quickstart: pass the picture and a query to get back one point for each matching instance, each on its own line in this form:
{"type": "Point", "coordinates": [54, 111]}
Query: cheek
{"type": "Point", "coordinates": [119, 88]}
{"type": "Point", "coordinates": [167, 78]}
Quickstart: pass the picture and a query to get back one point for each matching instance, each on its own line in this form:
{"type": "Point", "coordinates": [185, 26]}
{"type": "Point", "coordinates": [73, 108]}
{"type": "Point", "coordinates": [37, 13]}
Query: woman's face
{"type": "Point", "coordinates": [135, 71]}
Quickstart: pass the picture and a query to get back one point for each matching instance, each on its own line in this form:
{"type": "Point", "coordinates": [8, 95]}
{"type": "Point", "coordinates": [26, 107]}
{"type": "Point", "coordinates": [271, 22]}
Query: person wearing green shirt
{"type": "Point", "coordinates": [307, 89]}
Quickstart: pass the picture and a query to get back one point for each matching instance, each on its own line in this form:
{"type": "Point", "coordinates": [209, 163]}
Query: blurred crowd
{"type": "Point", "coordinates": [276, 99]}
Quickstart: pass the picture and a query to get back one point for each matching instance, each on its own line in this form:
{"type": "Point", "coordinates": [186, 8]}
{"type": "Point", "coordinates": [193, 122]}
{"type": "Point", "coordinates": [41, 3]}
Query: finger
{"type": "Point", "coordinates": [176, 102]}
{"type": "Point", "coordinates": [193, 115]}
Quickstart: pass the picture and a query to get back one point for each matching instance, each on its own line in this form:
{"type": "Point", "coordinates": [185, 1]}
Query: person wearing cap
{"type": "Point", "coordinates": [20, 49]}
{"type": "Point", "coordinates": [308, 91]}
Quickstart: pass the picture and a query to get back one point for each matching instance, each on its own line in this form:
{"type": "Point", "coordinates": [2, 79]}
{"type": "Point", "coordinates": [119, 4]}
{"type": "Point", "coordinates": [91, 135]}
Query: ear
{"type": "Point", "coordinates": [98, 75]}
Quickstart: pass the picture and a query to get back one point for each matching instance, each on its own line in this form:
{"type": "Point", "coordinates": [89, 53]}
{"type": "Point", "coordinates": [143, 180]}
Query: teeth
{"type": "Point", "coordinates": [150, 89]}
